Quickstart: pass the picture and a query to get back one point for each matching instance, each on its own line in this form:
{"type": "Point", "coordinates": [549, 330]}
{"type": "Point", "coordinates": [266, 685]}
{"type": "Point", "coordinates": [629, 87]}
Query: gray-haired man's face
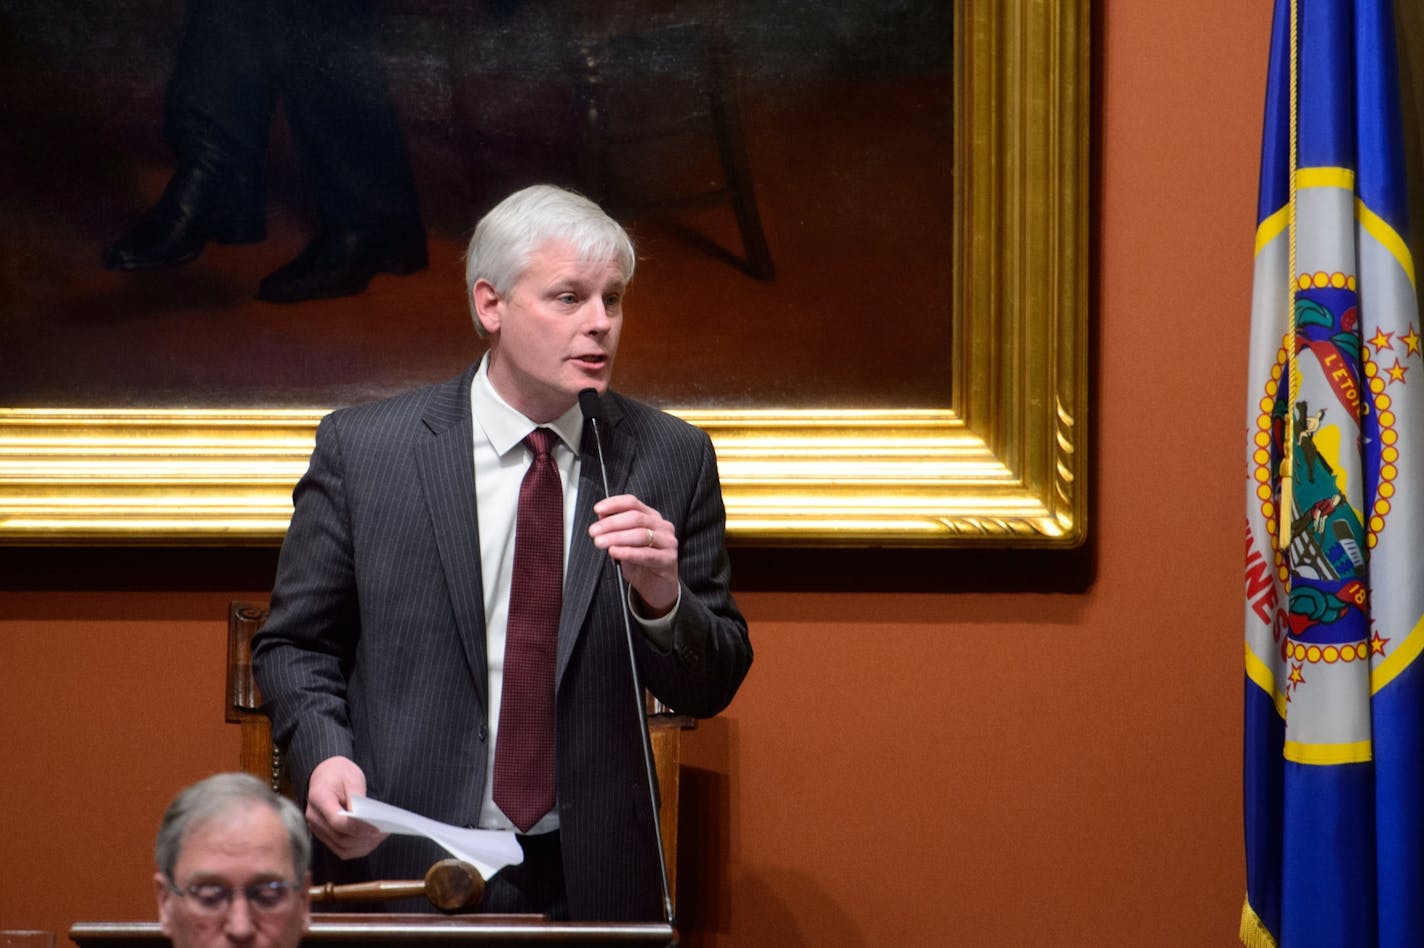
{"type": "Point", "coordinates": [219, 863]}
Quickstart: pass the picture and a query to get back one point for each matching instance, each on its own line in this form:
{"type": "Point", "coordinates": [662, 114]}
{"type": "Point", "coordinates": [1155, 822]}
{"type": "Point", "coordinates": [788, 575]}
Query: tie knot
{"type": "Point", "coordinates": [541, 442]}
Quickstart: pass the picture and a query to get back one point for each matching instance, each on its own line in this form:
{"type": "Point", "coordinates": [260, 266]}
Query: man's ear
{"type": "Point", "coordinates": [164, 897]}
{"type": "Point", "coordinates": [488, 305]}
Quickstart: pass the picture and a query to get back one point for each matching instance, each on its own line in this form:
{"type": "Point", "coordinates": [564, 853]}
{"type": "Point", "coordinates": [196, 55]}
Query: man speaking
{"type": "Point", "coordinates": [447, 631]}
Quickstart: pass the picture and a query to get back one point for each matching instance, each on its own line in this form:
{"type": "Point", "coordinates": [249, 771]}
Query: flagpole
{"type": "Point", "coordinates": [1287, 469]}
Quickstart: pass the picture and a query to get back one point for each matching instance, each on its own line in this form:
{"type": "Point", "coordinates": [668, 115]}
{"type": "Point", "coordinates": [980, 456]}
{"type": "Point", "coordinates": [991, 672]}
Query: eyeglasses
{"type": "Point", "coordinates": [213, 898]}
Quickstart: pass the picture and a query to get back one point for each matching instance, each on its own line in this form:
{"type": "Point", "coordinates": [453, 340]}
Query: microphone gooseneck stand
{"type": "Point", "coordinates": [592, 412]}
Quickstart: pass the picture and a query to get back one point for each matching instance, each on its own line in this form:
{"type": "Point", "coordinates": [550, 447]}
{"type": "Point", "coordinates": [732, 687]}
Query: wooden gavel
{"type": "Point", "coordinates": [450, 885]}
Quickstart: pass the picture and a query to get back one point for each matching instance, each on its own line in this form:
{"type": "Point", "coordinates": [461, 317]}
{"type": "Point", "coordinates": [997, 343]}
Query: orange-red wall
{"type": "Point", "coordinates": [924, 753]}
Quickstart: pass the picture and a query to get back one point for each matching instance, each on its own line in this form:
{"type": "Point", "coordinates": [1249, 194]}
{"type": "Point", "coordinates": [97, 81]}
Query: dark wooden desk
{"type": "Point", "coordinates": [384, 931]}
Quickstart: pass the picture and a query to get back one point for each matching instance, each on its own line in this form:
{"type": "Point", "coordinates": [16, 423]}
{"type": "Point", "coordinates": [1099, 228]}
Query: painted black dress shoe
{"type": "Point", "coordinates": [341, 263]}
{"type": "Point", "coordinates": [199, 204]}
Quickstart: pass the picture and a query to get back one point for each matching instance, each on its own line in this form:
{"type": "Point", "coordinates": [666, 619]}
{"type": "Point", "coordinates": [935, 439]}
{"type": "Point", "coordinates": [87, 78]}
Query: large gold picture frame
{"type": "Point", "coordinates": [1002, 464]}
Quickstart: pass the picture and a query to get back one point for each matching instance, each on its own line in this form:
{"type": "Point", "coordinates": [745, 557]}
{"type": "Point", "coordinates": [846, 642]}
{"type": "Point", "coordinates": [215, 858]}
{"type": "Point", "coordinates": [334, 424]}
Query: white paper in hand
{"type": "Point", "coordinates": [487, 850]}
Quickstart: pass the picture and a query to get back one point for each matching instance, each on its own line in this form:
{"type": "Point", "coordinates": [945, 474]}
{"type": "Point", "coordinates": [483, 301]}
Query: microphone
{"type": "Point", "coordinates": [592, 407]}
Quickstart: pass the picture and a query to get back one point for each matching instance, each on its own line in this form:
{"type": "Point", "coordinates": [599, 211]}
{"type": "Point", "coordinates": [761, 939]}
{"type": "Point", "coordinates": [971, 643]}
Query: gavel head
{"type": "Point", "coordinates": [452, 885]}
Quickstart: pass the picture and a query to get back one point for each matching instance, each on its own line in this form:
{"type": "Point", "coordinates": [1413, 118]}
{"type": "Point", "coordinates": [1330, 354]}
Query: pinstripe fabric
{"type": "Point", "coordinates": [375, 645]}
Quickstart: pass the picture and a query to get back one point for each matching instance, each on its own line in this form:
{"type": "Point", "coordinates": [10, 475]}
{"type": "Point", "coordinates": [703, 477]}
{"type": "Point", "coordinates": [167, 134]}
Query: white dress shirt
{"type": "Point", "coordinates": [501, 460]}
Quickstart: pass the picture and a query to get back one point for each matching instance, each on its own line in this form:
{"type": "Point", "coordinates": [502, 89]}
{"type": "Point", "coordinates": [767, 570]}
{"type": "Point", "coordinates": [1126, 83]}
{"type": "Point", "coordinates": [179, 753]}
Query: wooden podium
{"type": "Point", "coordinates": [389, 931]}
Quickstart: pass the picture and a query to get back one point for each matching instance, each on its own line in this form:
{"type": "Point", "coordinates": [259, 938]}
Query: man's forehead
{"type": "Point", "coordinates": [251, 836]}
{"type": "Point", "coordinates": [560, 254]}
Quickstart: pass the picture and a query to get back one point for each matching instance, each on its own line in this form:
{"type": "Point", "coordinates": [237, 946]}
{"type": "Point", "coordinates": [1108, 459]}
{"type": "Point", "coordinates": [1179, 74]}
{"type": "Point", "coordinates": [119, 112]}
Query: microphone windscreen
{"type": "Point", "coordinates": [591, 405]}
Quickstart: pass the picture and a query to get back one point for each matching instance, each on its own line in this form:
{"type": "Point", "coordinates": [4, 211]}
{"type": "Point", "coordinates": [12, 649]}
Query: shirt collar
{"type": "Point", "coordinates": [506, 427]}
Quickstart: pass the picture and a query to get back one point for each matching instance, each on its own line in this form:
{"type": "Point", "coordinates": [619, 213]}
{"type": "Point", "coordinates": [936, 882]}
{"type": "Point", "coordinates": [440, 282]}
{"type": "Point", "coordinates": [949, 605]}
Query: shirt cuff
{"type": "Point", "coordinates": [657, 631]}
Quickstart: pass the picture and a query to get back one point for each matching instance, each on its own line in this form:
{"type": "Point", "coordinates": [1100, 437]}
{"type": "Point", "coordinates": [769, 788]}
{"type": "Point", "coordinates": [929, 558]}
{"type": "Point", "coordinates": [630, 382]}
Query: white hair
{"type": "Point", "coordinates": [518, 226]}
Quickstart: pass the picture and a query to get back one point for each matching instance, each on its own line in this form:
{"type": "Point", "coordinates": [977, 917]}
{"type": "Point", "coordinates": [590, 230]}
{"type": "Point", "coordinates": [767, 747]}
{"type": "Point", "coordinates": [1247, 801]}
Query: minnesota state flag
{"type": "Point", "coordinates": [1334, 584]}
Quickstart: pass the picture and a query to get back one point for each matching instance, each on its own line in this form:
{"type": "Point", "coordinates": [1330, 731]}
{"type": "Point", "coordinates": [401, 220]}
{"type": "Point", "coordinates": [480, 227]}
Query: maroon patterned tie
{"type": "Point", "coordinates": [524, 754]}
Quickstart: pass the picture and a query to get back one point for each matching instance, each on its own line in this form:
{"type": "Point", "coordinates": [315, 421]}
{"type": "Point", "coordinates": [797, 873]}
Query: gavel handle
{"type": "Point", "coordinates": [450, 885]}
{"type": "Point", "coordinates": [364, 891]}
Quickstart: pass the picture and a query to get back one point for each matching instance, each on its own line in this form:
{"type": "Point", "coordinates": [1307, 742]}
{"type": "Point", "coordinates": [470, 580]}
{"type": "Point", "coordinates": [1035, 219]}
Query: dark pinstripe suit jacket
{"type": "Point", "coordinates": [375, 647]}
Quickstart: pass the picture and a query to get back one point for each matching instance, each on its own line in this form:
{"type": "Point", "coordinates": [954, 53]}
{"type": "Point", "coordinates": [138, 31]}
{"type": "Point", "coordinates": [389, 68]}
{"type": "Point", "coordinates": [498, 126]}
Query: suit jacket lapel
{"type": "Point", "coordinates": [447, 473]}
{"type": "Point", "coordinates": [587, 562]}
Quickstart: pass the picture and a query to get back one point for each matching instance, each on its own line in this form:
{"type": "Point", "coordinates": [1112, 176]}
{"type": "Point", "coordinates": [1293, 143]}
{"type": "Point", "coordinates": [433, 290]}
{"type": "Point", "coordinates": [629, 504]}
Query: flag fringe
{"type": "Point", "coordinates": [1254, 933]}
